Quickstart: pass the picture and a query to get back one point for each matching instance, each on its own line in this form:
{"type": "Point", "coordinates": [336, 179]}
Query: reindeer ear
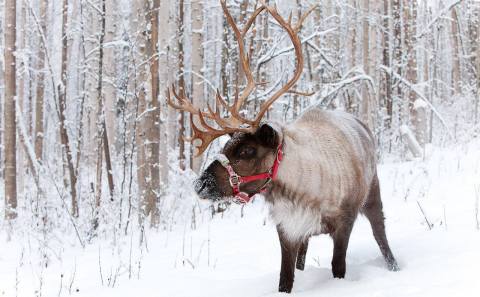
{"type": "Point", "coordinates": [269, 135]}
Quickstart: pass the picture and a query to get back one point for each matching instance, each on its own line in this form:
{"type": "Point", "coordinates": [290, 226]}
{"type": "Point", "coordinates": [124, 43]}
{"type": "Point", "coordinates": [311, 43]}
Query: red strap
{"type": "Point", "coordinates": [247, 179]}
{"type": "Point", "coordinates": [236, 180]}
{"type": "Point", "coordinates": [276, 164]}
{"type": "Point", "coordinates": [271, 174]}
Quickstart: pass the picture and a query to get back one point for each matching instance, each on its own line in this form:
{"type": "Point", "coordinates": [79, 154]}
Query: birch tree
{"type": "Point", "coordinates": [386, 87]}
{"type": "Point", "coordinates": [455, 36]}
{"type": "Point", "coordinates": [397, 52]}
{"type": "Point", "coordinates": [417, 108]}
{"type": "Point", "coordinates": [164, 51]}
{"type": "Point", "coordinates": [40, 92]}
{"type": "Point", "coordinates": [109, 72]}
{"type": "Point", "coordinates": [103, 148]}
{"type": "Point", "coordinates": [9, 111]}
{"type": "Point", "coordinates": [140, 91]}
{"type": "Point", "coordinates": [181, 83]}
{"type": "Point", "coordinates": [365, 104]}
{"type": "Point", "coordinates": [62, 98]}
{"type": "Point", "coordinates": [197, 65]}
{"type": "Point", "coordinates": [152, 121]}
{"type": "Point", "coordinates": [474, 34]}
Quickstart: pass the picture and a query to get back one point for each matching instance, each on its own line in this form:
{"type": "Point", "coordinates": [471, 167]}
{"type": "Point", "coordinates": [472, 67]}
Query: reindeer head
{"type": "Point", "coordinates": [249, 158]}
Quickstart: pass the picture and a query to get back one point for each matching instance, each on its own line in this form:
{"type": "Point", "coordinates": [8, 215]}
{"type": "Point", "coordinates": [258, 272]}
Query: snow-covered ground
{"type": "Point", "coordinates": [234, 256]}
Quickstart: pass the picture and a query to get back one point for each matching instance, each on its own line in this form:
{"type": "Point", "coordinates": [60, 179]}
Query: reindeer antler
{"type": "Point", "coordinates": [236, 122]}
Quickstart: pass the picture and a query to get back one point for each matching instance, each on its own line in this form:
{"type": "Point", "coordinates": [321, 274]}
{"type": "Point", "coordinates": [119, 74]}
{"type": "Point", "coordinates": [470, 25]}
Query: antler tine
{"type": "Point", "coordinates": [185, 104]}
{"type": "Point", "coordinates": [250, 21]}
{"type": "Point", "coordinates": [204, 131]}
{"type": "Point", "coordinates": [220, 100]}
{"type": "Point", "coordinates": [290, 19]}
{"type": "Point", "coordinates": [205, 138]}
{"type": "Point", "coordinates": [302, 18]}
{"type": "Point", "coordinates": [297, 44]}
{"type": "Point", "coordinates": [169, 100]}
{"type": "Point", "coordinates": [206, 126]}
{"type": "Point", "coordinates": [211, 134]}
{"type": "Point", "coordinates": [216, 114]}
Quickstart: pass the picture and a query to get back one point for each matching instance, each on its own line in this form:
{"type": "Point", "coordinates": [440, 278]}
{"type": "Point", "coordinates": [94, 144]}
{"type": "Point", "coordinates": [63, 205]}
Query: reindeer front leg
{"type": "Point", "coordinates": [289, 256]}
{"type": "Point", "coordinates": [341, 236]}
{"type": "Point", "coordinates": [302, 255]}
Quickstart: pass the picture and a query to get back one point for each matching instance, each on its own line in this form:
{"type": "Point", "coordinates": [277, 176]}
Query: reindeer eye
{"type": "Point", "coordinates": [247, 152]}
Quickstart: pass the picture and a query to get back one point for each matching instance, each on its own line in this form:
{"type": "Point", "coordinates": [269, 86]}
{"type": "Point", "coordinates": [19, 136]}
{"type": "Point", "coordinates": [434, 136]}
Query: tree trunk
{"type": "Point", "coordinates": [165, 77]}
{"type": "Point", "coordinates": [365, 104]}
{"type": "Point", "coordinates": [416, 108]}
{"type": "Point", "coordinates": [9, 111]}
{"type": "Point", "coordinates": [141, 25]}
{"type": "Point", "coordinates": [40, 92]}
{"type": "Point", "coordinates": [456, 52]}
{"type": "Point", "coordinates": [21, 68]}
{"type": "Point", "coordinates": [397, 56]}
{"type": "Point", "coordinates": [102, 137]}
{"type": "Point", "coordinates": [152, 118]}
{"type": "Point", "coordinates": [181, 86]}
{"type": "Point", "coordinates": [387, 86]}
{"type": "Point", "coordinates": [109, 71]}
{"type": "Point", "coordinates": [474, 32]}
{"type": "Point", "coordinates": [197, 67]}
{"type": "Point", "coordinates": [478, 64]}
{"type": "Point", "coordinates": [62, 91]}
{"type": "Point", "coordinates": [351, 104]}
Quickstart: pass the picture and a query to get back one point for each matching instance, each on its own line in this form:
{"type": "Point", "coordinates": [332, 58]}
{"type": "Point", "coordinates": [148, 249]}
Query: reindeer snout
{"type": "Point", "coordinates": [200, 185]}
{"type": "Point", "coordinates": [206, 185]}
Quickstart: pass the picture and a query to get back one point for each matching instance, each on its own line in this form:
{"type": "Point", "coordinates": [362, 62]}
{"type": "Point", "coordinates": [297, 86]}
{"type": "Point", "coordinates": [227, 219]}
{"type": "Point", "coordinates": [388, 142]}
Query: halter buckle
{"type": "Point", "coordinates": [234, 180]}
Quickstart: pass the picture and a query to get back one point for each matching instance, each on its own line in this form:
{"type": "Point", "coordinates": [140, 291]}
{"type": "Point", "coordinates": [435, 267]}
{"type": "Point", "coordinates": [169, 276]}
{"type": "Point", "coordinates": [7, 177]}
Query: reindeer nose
{"type": "Point", "coordinates": [199, 185]}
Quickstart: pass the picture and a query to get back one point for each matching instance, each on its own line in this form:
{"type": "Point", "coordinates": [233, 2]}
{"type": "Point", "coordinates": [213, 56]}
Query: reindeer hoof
{"type": "Point", "coordinates": [393, 266]}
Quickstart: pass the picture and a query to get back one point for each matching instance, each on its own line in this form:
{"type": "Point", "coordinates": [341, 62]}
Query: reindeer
{"type": "Point", "coordinates": [316, 173]}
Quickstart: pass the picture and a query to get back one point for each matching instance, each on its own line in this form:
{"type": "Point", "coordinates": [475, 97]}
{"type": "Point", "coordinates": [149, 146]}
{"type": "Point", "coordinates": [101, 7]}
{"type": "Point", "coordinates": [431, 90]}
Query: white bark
{"type": "Point", "coordinates": [9, 111]}
{"type": "Point", "coordinates": [197, 64]}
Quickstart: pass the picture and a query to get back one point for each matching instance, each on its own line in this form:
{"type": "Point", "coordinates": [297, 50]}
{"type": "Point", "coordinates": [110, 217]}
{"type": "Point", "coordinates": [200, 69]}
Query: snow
{"type": "Point", "coordinates": [234, 256]}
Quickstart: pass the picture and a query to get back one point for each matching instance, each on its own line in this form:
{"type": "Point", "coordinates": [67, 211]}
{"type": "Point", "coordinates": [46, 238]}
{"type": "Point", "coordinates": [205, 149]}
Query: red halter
{"type": "Point", "coordinates": [236, 180]}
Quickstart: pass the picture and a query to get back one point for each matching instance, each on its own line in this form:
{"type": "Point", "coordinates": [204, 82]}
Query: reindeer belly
{"type": "Point", "coordinates": [299, 222]}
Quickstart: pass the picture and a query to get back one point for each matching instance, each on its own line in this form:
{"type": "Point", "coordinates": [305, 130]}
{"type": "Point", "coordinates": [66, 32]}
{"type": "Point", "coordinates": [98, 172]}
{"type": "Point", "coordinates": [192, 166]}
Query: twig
{"type": "Point", "coordinates": [61, 285]}
{"type": "Point", "coordinates": [189, 262]}
{"type": "Point", "coordinates": [426, 220]}
{"type": "Point", "coordinates": [100, 265]}
{"type": "Point", "coordinates": [73, 278]}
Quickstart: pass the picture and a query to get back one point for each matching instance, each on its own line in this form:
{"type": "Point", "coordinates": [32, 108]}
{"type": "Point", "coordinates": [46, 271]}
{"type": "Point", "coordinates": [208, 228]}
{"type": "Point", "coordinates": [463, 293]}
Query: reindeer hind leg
{"type": "Point", "coordinates": [373, 210]}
